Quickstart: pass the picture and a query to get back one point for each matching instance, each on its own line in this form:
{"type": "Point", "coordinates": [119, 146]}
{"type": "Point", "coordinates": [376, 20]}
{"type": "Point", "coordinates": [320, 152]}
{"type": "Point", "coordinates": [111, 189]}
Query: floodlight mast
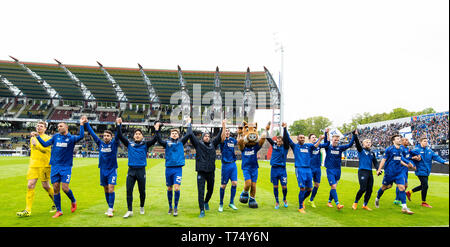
{"type": "Point", "coordinates": [121, 97]}
{"type": "Point", "coordinates": [152, 95]}
{"type": "Point", "coordinates": [275, 96]}
{"type": "Point", "coordinates": [52, 93]}
{"type": "Point", "coordinates": [217, 98]}
{"type": "Point", "coordinates": [185, 99]}
{"type": "Point", "coordinates": [249, 101]}
{"type": "Point", "coordinates": [87, 95]}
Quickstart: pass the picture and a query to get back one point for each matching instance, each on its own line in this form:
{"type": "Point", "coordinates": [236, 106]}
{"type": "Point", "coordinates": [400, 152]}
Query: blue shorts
{"type": "Point", "coordinates": [173, 175]}
{"type": "Point", "coordinates": [108, 176]}
{"type": "Point", "coordinates": [398, 179]}
{"type": "Point", "coordinates": [316, 174]}
{"type": "Point", "coordinates": [304, 177]}
{"type": "Point", "coordinates": [278, 173]}
{"type": "Point", "coordinates": [228, 172]}
{"type": "Point", "coordinates": [406, 176]}
{"type": "Point", "coordinates": [250, 173]}
{"type": "Point", "coordinates": [61, 174]}
{"type": "Point", "coordinates": [333, 176]}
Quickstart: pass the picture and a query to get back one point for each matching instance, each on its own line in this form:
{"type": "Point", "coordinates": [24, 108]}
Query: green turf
{"type": "Point", "coordinates": [92, 204]}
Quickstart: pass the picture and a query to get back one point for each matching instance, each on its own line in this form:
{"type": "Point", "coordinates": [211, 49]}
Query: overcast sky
{"type": "Point", "coordinates": [341, 57]}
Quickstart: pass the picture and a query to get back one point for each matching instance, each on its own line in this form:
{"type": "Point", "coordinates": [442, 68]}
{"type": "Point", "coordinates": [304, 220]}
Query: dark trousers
{"type": "Point", "coordinates": [135, 175]}
{"type": "Point", "coordinates": [422, 187]}
{"type": "Point", "coordinates": [365, 178]}
{"type": "Point", "coordinates": [202, 178]}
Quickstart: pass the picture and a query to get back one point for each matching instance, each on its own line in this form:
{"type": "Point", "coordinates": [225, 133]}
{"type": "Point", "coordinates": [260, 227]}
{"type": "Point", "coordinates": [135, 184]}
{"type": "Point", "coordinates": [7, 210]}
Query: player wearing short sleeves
{"type": "Point", "coordinates": [316, 164]}
{"type": "Point", "coordinates": [174, 154]}
{"type": "Point", "coordinates": [39, 168]}
{"type": "Point", "coordinates": [392, 162]}
{"type": "Point", "coordinates": [423, 165]}
{"type": "Point", "coordinates": [61, 161]}
{"type": "Point", "coordinates": [366, 159]}
{"type": "Point", "coordinates": [302, 154]}
{"type": "Point", "coordinates": [333, 166]}
{"type": "Point", "coordinates": [107, 162]}
{"type": "Point", "coordinates": [278, 167]}
{"type": "Point", "coordinates": [228, 169]}
{"type": "Point", "coordinates": [137, 162]}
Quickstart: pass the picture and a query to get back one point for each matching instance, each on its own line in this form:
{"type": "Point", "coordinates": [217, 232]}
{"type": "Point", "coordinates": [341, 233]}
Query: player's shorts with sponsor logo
{"type": "Point", "coordinates": [108, 176]}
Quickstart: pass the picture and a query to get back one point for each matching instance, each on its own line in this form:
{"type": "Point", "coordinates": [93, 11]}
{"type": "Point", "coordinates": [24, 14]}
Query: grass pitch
{"type": "Point", "coordinates": [92, 204]}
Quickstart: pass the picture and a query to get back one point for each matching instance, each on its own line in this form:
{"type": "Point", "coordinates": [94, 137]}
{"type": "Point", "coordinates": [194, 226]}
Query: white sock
{"type": "Point", "coordinates": [404, 206]}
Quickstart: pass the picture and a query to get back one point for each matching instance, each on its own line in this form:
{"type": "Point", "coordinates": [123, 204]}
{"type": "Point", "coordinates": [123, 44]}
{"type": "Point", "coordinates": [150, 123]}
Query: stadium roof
{"type": "Point", "coordinates": [130, 80]}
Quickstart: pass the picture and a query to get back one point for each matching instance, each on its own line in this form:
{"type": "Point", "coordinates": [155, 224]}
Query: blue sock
{"type": "Point", "coordinates": [107, 198]}
{"type": "Point", "coordinates": [57, 201]}
{"type": "Point", "coordinates": [402, 196]}
{"type": "Point", "coordinates": [169, 197]}
{"type": "Point", "coordinates": [284, 194]}
{"type": "Point", "coordinates": [275, 193]}
{"type": "Point", "coordinates": [397, 198]}
{"type": "Point", "coordinates": [301, 198]}
{"type": "Point", "coordinates": [380, 193]}
{"type": "Point", "coordinates": [222, 194]}
{"type": "Point", "coordinates": [330, 198]}
{"type": "Point", "coordinates": [233, 193]}
{"type": "Point", "coordinates": [112, 198]}
{"type": "Point", "coordinates": [70, 195]}
{"type": "Point", "coordinates": [313, 193]}
{"type": "Point", "coordinates": [308, 192]}
{"type": "Point", "coordinates": [334, 195]}
{"type": "Point", "coordinates": [177, 198]}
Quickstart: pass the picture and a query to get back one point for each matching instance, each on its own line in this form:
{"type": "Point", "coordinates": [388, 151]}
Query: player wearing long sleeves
{"type": "Point", "coordinates": [365, 177]}
{"type": "Point", "coordinates": [280, 149]}
{"type": "Point", "coordinates": [333, 166]}
{"type": "Point", "coordinates": [205, 165]}
{"type": "Point", "coordinates": [39, 168]}
{"type": "Point", "coordinates": [228, 169]}
{"type": "Point", "coordinates": [423, 165]}
{"type": "Point", "coordinates": [409, 155]}
{"type": "Point", "coordinates": [61, 161]}
{"type": "Point", "coordinates": [393, 161]}
{"type": "Point", "coordinates": [137, 162]}
{"type": "Point", "coordinates": [174, 154]}
{"type": "Point", "coordinates": [107, 162]}
{"type": "Point", "coordinates": [316, 164]}
{"type": "Point", "coordinates": [302, 154]}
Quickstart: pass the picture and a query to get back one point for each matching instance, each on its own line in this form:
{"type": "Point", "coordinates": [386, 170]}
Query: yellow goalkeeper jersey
{"type": "Point", "coordinates": [40, 156]}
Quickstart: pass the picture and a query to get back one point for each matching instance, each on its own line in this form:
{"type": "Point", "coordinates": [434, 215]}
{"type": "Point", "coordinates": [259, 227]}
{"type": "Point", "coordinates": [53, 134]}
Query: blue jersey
{"type": "Point", "coordinates": [137, 151]}
{"type": "Point", "coordinates": [334, 154]}
{"type": "Point", "coordinates": [107, 158]}
{"type": "Point", "coordinates": [174, 149]}
{"type": "Point", "coordinates": [407, 154]}
{"type": "Point", "coordinates": [227, 150]}
{"type": "Point", "coordinates": [423, 167]}
{"type": "Point", "coordinates": [366, 159]}
{"type": "Point", "coordinates": [62, 147]}
{"type": "Point", "coordinates": [249, 157]}
{"type": "Point", "coordinates": [302, 153]}
{"type": "Point", "coordinates": [393, 157]}
{"type": "Point", "coordinates": [315, 153]}
{"type": "Point", "coordinates": [279, 153]}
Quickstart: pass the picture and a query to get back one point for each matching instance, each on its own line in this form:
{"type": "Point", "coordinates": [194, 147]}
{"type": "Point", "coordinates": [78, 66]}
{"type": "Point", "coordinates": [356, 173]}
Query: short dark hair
{"type": "Point", "coordinates": [136, 130]}
{"type": "Point", "coordinates": [312, 134]}
{"type": "Point", "coordinates": [109, 132]}
{"type": "Point", "coordinates": [394, 136]}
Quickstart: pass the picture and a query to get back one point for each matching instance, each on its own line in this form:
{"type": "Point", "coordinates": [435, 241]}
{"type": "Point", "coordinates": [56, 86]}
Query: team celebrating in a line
{"type": "Point", "coordinates": [51, 159]}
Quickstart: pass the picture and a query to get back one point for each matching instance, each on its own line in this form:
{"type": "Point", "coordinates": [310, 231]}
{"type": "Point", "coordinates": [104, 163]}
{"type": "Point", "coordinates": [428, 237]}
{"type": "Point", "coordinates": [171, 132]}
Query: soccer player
{"type": "Point", "coordinates": [333, 166]}
{"type": "Point", "coordinates": [61, 161]}
{"type": "Point", "coordinates": [316, 163]}
{"type": "Point", "coordinates": [409, 155]}
{"type": "Point", "coordinates": [174, 150]}
{"type": "Point", "coordinates": [249, 168]}
{"type": "Point", "coordinates": [302, 153]}
{"type": "Point", "coordinates": [392, 161]}
{"type": "Point", "coordinates": [229, 168]}
{"type": "Point", "coordinates": [137, 161]}
{"type": "Point", "coordinates": [278, 167]}
{"type": "Point", "coordinates": [39, 168]}
{"type": "Point", "coordinates": [366, 159]}
{"type": "Point", "coordinates": [107, 162]}
{"type": "Point", "coordinates": [205, 165]}
{"type": "Point", "coordinates": [423, 165]}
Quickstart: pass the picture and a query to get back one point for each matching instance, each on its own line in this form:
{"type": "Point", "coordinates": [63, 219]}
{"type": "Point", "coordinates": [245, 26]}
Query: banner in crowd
{"type": "Point", "coordinates": [406, 133]}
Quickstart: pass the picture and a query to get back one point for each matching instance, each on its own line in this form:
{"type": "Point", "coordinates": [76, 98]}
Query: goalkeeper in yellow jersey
{"type": "Point", "coordinates": [39, 168]}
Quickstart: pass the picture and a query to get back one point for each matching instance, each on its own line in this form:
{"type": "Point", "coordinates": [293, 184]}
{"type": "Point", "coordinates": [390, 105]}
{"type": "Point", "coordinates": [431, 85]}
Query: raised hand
{"type": "Point", "coordinates": [284, 125]}
{"type": "Point", "coordinates": [157, 126]}
{"type": "Point", "coordinates": [119, 120]}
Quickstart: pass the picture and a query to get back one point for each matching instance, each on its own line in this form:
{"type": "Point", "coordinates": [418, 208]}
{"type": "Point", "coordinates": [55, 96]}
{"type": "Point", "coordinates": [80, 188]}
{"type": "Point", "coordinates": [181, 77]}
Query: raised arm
{"type": "Point", "coordinates": [287, 138]}
{"type": "Point", "coordinates": [92, 133]}
{"type": "Point", "coordinates": [357, 143]}
{"type": "Point", "coordinates": [218, 139]}
{"type": "Point", "coordinates": [347, 146]}
{"type": "Point", "coordinates": [224, 127]}
{"type": "Point", "coordinates": [189, 132]}
{"type": "Point", "coordinates": [438, 158]}
{"type": "Point", "coordinates": [77, 138]}
{"type": "Point", "coordinates": [119, 132]}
